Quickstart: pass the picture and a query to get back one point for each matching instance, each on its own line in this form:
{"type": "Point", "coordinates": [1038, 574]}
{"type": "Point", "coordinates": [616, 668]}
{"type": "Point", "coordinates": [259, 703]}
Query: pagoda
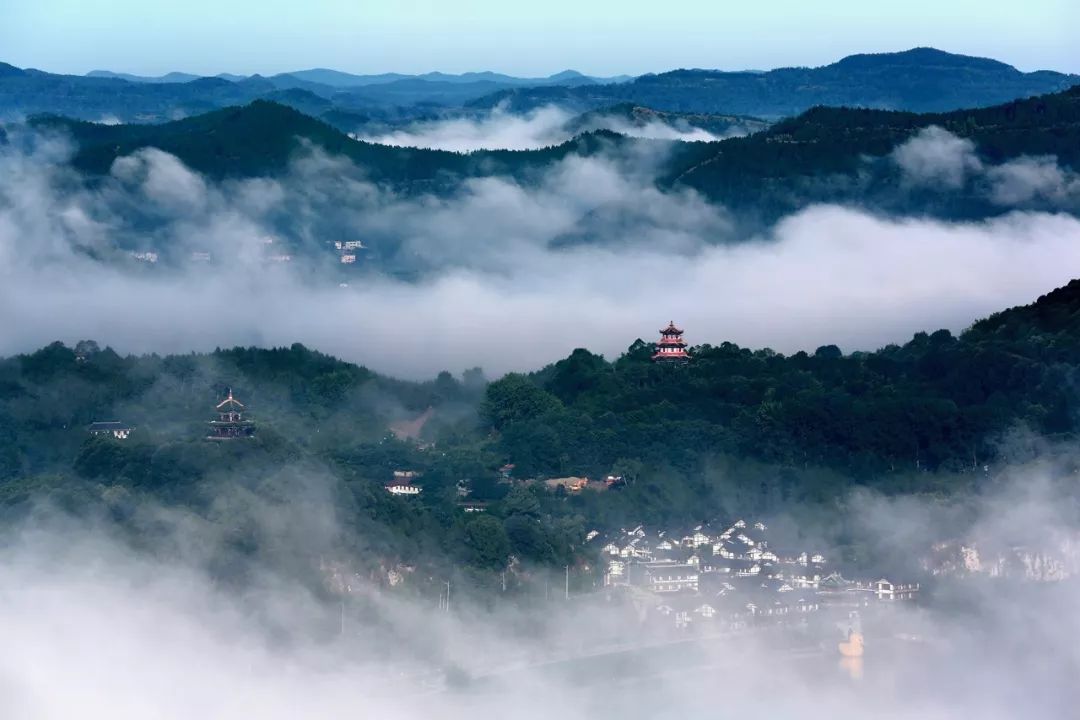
{"type": "Point", "coordinates": [230, 424]}
{"type": "Point", "coordinates": [671, 348]}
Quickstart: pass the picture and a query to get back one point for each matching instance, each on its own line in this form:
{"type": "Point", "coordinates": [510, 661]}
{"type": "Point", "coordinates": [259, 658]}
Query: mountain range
{"type": "Point", "coordinates": [919, 80]}
{"type": "Point", "coordinates": [339, 79]}
{"type": "Point", "coordinates": [822, 155]}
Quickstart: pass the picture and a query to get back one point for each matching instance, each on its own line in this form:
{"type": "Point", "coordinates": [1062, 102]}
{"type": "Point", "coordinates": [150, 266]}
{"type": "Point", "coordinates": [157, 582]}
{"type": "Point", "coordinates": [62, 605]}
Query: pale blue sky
{"type": "Point", "coordinates": [535, 38]}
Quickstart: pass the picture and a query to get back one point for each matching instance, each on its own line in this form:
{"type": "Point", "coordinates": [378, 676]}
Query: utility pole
{"type": "Point", "coordinates": [567, 582]}
{"type": "Point", "coordinates": [447, 596]}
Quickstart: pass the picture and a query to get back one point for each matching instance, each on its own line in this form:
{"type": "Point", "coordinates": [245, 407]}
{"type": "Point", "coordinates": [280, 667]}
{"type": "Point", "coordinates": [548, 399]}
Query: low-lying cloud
{"type": "Point", "coordinates": [501, 274]}
{"type": "Point", "coordinates": [96, 626]}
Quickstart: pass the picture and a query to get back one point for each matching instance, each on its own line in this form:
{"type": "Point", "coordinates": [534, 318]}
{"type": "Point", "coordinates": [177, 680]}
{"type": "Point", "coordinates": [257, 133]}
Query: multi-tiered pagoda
{"type": "Point", "coordinates": [231, 424]}
{"type": "Point", "coordinates": [671, 348]}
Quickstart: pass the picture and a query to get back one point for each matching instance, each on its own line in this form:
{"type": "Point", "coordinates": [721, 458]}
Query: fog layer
{"type": "Point", "coordinates": [501, 274]}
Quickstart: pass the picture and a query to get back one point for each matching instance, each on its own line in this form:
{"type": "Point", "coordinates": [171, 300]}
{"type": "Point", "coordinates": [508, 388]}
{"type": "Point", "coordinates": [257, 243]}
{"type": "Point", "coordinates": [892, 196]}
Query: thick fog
{"type": "Point", "coordinates": [95, 627]}
{"type": "Point", "coordinates": [497, 273]}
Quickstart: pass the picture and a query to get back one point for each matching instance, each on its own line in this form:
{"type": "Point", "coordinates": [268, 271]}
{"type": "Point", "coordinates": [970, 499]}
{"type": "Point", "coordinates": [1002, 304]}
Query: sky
{"type": "Point", "coordinates": [594, 36]}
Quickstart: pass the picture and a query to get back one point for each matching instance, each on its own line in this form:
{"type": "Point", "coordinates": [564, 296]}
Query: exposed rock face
{"type": "Point", "coordinates": [1054, 559]}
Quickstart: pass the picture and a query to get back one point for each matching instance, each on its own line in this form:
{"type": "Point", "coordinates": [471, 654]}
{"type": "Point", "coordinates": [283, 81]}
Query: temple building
{"type": "Point", "coordinates": [671, 348]}
{"type": "Point", "coordinates": [231, 423]}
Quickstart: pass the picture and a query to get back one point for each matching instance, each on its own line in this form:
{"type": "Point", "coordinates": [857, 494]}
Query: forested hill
{"type": "Point", "coordinates": [735, 431]}
{"type": "Point", "coordinates": [887, 418]}
{"type": "Point", "coordinates": [261, 138]}
{"type": "Point", "coordinates": [824, 155]}
{"type": "Point", "coordinates": [918, 80]}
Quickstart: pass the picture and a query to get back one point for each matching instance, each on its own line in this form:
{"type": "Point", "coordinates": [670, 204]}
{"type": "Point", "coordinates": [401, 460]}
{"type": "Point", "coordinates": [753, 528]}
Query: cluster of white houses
{"type": "Point", "coordinates": [704, 574]}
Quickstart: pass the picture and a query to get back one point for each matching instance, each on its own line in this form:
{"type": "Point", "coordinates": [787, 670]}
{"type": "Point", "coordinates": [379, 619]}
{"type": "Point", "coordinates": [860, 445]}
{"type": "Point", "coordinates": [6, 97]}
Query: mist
{"type": "Point", "coordinates": [936, 158]}
{"type": "Point", "coordinates": [499, 273]}
{"type": "Point", "coordinates": [98, 626]}
{"type": "Point", "coordinates": [540, 128]}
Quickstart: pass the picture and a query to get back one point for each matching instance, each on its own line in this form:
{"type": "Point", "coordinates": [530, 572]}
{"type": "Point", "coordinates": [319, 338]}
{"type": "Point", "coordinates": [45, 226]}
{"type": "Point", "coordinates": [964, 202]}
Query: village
{"type": "Point", "coordinates": [711, 579]}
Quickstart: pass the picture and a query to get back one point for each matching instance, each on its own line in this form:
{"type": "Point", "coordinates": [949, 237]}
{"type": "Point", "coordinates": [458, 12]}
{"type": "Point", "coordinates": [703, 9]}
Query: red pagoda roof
{"type": "Point", "coordinates": [671, 329]}
{"type": "Point", "coordinates": [230, 401]}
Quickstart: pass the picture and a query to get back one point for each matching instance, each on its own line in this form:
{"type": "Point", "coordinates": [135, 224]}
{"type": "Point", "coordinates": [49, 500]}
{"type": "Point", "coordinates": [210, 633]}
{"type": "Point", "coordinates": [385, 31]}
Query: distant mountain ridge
{"type": "Point", "coordinates": [341, 79]}
{"type": "Point", "coordinates": [917, 80]}
{"type": "Point", "coordinates": [173, 77]}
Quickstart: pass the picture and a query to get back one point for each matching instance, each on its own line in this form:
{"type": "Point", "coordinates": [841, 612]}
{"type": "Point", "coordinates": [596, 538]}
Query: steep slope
{"type": "Point", "coordinates": [1051, 324]}
{"type": "Point", "coordinates": [821, 156]}
{"type": "Point", "coordinates": [918, 80]}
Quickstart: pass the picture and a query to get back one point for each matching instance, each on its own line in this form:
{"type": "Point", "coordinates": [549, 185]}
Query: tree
{"type": "Point", "coordinates": [528, 539]}
{"type": "Point", "coordinates": [516, 398]}
{"type": "Point", "coordinates": [522, 501]}
{"type": "Point", "coordinates": [100, 456]}
{"type": "Point", "coordinates": [487, 546]}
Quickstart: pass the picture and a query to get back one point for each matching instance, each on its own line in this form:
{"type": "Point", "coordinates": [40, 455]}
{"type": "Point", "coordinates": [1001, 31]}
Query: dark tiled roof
{"type": "Point", "coordinates": [108, 426]}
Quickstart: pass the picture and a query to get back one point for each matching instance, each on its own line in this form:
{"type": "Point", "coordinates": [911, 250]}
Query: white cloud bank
{"type": "Point", "coordinates": [501, 285]}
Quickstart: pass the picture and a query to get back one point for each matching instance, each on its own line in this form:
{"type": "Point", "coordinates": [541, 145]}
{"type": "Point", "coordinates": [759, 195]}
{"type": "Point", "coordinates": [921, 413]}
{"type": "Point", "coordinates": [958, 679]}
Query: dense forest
{"type": "Point", "coordinates": [734, 432]}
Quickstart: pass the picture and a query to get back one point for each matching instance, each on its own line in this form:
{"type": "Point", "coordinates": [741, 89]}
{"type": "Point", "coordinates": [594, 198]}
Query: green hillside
{"type": "Point", "coordinates": [820, 156]}
{"type": "Point", "coordinates": [734, 432]}
{"type": "Point", "coordinates": [261, 138]}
